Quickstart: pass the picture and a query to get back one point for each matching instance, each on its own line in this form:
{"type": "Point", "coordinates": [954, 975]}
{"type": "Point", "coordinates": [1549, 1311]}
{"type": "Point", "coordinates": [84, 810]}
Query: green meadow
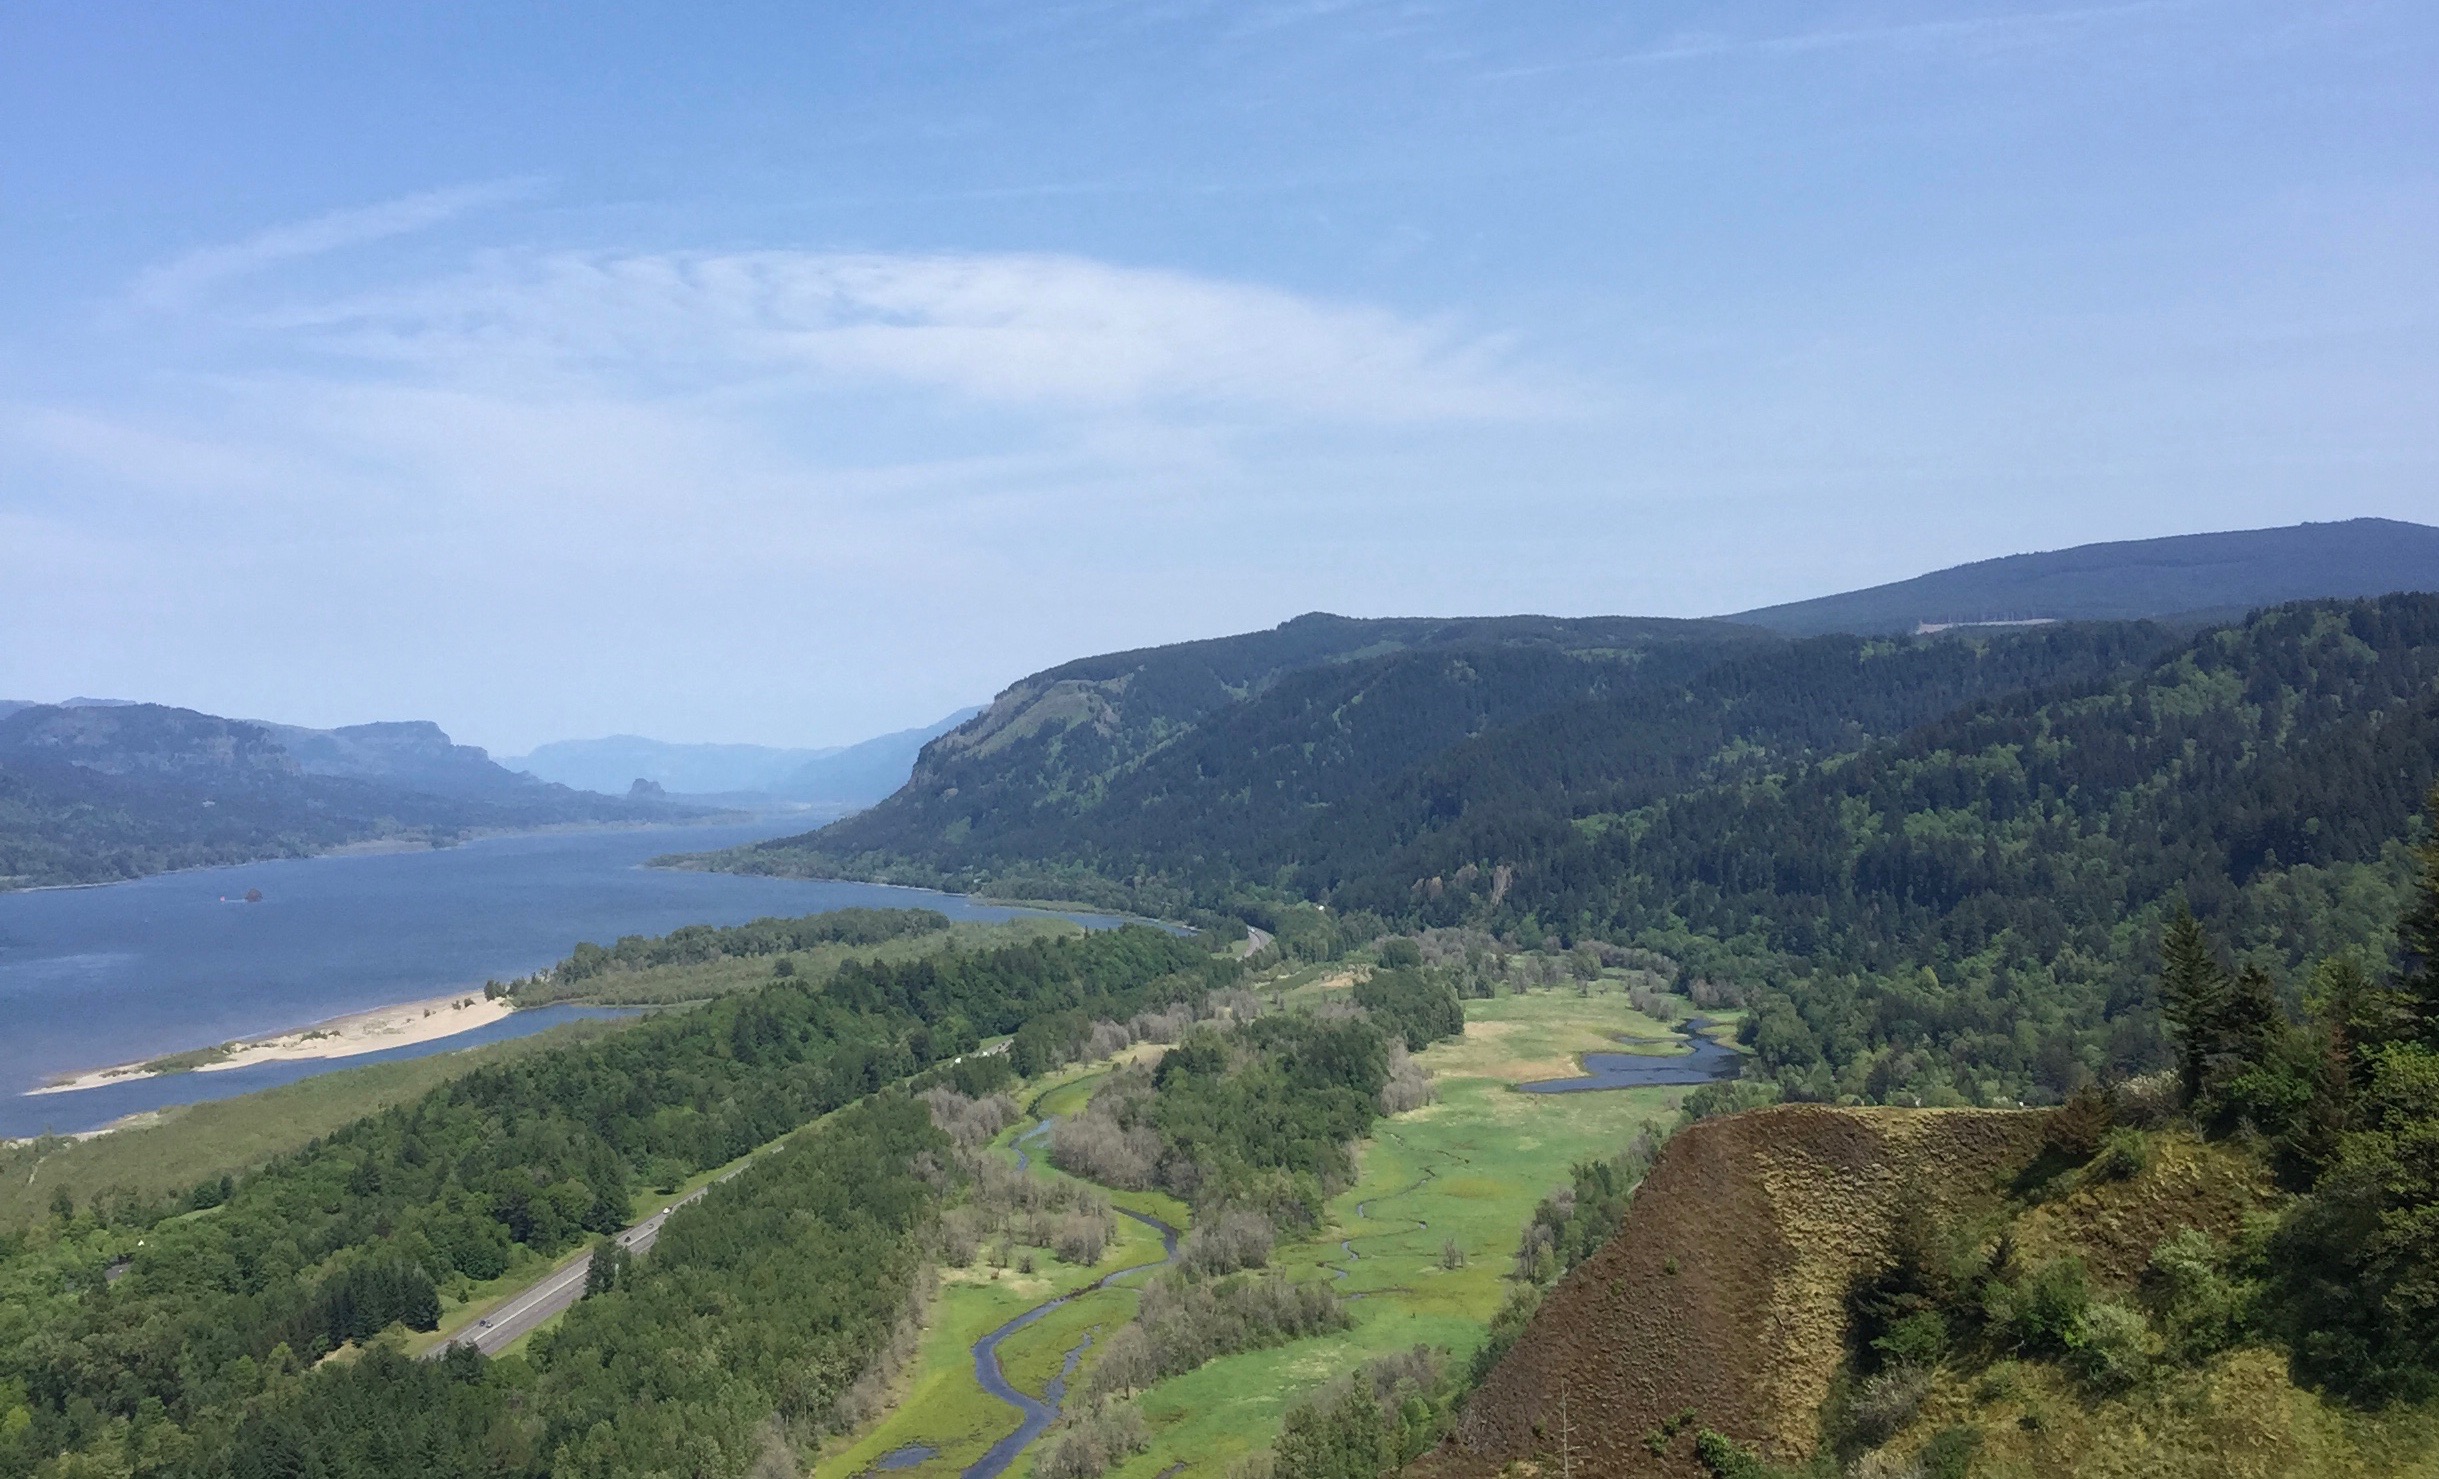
{"type": "Point", "coordinates": [939, 1405]}
{"type": "Point", "coordinates": [1467, 1169]}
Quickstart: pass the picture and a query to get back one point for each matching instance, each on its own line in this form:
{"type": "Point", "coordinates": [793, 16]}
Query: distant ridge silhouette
{"type": "Point", "coordinates": [2181, 575]}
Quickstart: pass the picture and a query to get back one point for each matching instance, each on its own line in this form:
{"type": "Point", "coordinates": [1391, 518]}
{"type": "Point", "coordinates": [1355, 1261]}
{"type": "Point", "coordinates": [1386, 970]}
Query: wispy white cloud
{"type": "Point", "coordinates": [2001, 28]}
{"type": "Point", "coordinates": [1051, 332]}
{"type": "Point", "coordinates": [178, 282]}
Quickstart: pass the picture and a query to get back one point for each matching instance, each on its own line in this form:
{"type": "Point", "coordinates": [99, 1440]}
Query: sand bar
{"type": "Point", "coordinates": [404, 1024]}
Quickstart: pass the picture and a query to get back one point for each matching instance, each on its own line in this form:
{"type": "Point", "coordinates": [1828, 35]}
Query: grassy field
{"type": "Point", "coordinates": [663, 985]}
{"type": "Point", "coordinates": [939, 1405]}
{"type": "Point", "coordinates": [170, 1152]}
{"type": "Point", "coordinates": [1469, 1168]}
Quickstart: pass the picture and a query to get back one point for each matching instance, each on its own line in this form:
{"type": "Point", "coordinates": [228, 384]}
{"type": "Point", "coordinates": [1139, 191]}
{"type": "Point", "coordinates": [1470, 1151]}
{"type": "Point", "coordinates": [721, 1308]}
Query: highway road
{"type": "Point", "coordinates": [525, 1310]}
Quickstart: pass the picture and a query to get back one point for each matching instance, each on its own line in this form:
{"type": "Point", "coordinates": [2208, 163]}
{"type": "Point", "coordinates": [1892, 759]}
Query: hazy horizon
{"type": "Point", "coordinates": [757, 378]}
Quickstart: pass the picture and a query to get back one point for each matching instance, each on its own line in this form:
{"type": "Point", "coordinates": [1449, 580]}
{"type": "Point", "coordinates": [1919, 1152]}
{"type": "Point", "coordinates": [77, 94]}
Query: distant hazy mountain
{"type": "Point", "coordinates": [839, 777]}
{"type": "Point", "coordinates": [615, 762]}
{"type": "Point", "coordinates": [863, 773]}
{"type": "Point", "coordinates": [416, 754]}
{"type": "Point", "coordinates": [2201, 574]}
{"type": "Point", "coordinates": [94, 792]}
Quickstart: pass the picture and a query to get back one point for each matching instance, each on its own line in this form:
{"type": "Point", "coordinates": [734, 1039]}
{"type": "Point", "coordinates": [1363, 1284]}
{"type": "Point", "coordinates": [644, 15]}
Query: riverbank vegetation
{"type": "Point", "coordinates": [704, 961]}
{"type": "Point", "coordinates": [167, 1153]}
{"type": "Point", "coordinates": [144, 1337]}
{"type": "Point", "coordinates": [1191, 1365]}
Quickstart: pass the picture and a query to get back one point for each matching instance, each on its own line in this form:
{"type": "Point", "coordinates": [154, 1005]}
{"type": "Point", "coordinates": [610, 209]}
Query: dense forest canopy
{"type": "Point", "coordinates": [1937, 865]}
{"type": "Point", "coordinates": [143, 1332]}
{"type": "Point", "coordinates": [696, 943]}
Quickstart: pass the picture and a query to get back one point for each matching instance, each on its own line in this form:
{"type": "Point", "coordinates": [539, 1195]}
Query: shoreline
{"type": "Point", "coordinates": [367, 847]}
{"type": "Point", "coordinates": [373, 1030]}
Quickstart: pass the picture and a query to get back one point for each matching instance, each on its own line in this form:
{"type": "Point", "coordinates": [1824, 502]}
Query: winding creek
{"type": "Point", "coordinates": [1036, 1414]}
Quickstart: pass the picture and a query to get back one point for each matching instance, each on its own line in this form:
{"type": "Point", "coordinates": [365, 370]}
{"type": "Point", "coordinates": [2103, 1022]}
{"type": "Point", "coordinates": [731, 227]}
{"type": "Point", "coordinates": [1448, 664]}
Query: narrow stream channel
{"type": "Point", "coordinates": [1038, 1414]}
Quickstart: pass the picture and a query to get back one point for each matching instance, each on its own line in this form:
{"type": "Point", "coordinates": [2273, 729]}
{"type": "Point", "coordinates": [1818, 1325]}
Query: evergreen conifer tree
{"type": "Point", "coordinates": [2418, 939]}
{"type": "Point", "coordinates": [2194, 994]}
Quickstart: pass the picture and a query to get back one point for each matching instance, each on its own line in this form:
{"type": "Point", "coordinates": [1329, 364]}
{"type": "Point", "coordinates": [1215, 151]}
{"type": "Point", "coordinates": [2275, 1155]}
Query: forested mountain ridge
{"type": "Point", "coordinates": [1938, 864]}
{"type": "Point", "coordinates": [2222, 575]}
{"type": "Point", "coordinates": [90, 794]}
{"type": "Point", "coordinates": [1053, 741]}
{"type": "Point", "coordinates": [1321, 771]}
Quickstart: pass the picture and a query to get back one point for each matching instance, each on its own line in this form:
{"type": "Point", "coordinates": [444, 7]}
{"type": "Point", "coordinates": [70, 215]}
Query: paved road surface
{"type": "Point", "coordinates": [555, 1291]}
{"type": "Point", "coordinates": [558, 1289]}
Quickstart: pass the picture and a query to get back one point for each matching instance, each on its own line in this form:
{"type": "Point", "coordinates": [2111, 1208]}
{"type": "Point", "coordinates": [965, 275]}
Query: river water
{"type": "Point", "coordinates": [1704, 1061]}
{"type": "Point", "coordinates": [96, 976]}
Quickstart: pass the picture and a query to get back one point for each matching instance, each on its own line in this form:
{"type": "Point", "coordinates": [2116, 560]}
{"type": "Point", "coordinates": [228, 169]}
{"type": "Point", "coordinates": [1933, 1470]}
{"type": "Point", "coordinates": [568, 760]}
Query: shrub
{"type": "Point", "coordinates": [1506, 1328]}
{"type": "Point", "coordinates": [1237, 1240]}
{"type": "Point", "coordinates": [2124, 1154]}
{"type": "Point", "coordinates": [2200, 1311]}
{"type": "Point", "coordinates": [2075, 1128]}
{"type": "Point", "coordinates": [2042, 1313]}
{"type": "Point", "coordinates": [2109, 1349]}
{"type": "Point", "coordinates": [1887, 1402]}
{"type": "Point", "coordinates": [1949, 1454]}
{"type": "Point", "coordinates": [2149, 1102]}
{"type": "Point", "coordinates": [1916, 1340]}
{"type": "Point", "coordinates": [1724, 1458]}
{"type": "Point", "coordinates": [1732, 1097]}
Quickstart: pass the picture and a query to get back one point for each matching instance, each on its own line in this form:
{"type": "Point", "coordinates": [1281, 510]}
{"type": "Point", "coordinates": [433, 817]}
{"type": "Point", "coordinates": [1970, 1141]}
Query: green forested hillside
{"type": "Point", "coordinates": [1054, 753]}
{"type": "Point", "coordinates": [1975, 906]}
{"type": "Point", "coordinates": [1939, 863]}
{"type": "Point", "coordinates": [1317, 774]}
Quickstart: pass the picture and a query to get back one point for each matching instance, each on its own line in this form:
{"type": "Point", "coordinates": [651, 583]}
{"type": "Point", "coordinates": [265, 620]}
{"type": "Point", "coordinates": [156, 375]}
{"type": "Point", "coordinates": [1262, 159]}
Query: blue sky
{"type": "Point", "coordinates": [793, 373]}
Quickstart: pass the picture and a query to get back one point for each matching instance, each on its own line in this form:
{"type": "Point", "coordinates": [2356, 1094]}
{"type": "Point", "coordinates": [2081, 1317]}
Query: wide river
{"type": "Point", "coordinates": [95, 976]}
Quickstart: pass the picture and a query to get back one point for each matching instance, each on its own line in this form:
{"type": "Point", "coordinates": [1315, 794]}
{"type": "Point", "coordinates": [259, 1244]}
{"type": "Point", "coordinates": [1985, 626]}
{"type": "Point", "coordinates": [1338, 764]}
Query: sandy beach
{"type": "Point", "coordinates": [401, 1025]}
